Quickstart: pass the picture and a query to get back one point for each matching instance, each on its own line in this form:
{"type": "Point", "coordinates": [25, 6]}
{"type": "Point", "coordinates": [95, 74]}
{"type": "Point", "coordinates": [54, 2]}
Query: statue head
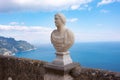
{"type": "Point", "coordinates": [60, 19]}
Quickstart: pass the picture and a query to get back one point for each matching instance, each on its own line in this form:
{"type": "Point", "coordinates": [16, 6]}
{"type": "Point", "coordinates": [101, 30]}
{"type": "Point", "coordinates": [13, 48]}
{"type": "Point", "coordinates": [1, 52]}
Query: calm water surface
{"type": "Point", "coordinates": [102, 55]}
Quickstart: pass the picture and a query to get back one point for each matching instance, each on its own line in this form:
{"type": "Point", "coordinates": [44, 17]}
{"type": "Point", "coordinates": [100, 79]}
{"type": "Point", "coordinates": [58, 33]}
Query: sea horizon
{"type": "Point", "coordinates": [99, 55]}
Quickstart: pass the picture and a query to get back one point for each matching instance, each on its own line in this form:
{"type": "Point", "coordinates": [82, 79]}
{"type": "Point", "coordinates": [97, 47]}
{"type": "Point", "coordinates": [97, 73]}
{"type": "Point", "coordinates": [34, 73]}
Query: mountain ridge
{"type": "Point", "coordinates": [8, 46]}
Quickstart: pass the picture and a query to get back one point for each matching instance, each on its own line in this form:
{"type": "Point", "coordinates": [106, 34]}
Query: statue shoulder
{"type": "Point", "coordinates": [54, 31]}
{"type": "Point", "coordinates": [69, 31]}
{"type": "Point", "coordinates": [70, 34]}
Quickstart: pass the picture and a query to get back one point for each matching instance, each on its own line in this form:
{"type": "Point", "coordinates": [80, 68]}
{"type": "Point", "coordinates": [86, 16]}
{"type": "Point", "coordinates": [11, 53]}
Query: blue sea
{"type": "Point", "coordinates": [100, 55]}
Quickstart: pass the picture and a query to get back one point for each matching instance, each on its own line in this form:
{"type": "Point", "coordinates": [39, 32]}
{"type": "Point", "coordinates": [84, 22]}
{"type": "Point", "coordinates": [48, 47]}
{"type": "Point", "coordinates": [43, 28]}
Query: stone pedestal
{"type": "Point", "coordinates": [57, 72]}
{"type": "Point", "coordinates": [62, 58]}
{"type": "Point", "coordinates": [59, 69]}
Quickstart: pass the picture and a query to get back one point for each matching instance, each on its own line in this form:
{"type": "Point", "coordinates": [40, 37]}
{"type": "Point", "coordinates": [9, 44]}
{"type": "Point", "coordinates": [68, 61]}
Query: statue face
{"type": "Point", "coordinates": [58, 21]}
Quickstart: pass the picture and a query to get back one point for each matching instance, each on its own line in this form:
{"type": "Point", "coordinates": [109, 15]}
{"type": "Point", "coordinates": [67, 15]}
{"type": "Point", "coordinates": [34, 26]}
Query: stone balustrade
{"type": "Point", "coordinates": [12, 68]}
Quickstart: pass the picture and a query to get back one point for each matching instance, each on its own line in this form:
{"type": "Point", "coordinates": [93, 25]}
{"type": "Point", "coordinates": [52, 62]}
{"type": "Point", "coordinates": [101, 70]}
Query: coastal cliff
{"type": "Point", "coordinates": [12, 68]}
{"type": "Point", "coordinates": [8, 46]}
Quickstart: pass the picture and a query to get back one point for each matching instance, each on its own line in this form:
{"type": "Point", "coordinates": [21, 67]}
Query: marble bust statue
{"type": "Point", "coordinates": [61, 38]}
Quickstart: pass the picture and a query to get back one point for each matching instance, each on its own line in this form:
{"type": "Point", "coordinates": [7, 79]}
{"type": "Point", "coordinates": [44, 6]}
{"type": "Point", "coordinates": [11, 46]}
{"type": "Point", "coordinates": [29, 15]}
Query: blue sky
{"type": "Point", "coordinates": [33, 20]}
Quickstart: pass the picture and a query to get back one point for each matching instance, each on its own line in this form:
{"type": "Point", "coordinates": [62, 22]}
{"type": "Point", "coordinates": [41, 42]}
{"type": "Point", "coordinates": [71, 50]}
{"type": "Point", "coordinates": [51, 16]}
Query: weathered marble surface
{"type": "Point", "coordinates": [61, 38]}
{"type": "Point", "coordinates": [62, 58]}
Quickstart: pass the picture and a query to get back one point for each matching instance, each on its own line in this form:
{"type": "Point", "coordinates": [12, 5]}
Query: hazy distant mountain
{"type": "Point", "coordinates": [9, 46]}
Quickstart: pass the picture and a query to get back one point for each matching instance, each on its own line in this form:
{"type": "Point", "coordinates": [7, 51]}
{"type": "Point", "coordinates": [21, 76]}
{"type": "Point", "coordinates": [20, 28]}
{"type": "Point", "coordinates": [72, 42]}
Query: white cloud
{"type": "Point", "coordinates": [13, 23]}
{"type": "Point", "coordinates": [16, 23]}
{"type": "Point", "coordinates": [104, 11]}
{"type": "Point", "coordinates": [89, 8]}
{"type": "Point", "coordinates": [74, 7]}
{"type": "Point", "coordinates": [23, 28]}
{"type": "Point", "coordinates": [33, 34]}
{"type": "Point", "coordinates": [17, 5]}
{"type": "Point", "coordinates": [97, 36]}
{"type": "Point", "coordinates": [72, 20]}
{"type": "Point", "coordinates": [41, 35]}
{"type": "Point", "coordinates": [103, 2]}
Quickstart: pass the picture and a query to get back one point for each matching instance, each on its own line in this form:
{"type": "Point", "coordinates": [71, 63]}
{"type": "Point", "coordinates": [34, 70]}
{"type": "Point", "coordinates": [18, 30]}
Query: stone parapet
{"type": "Point", "coordinates": [12, 68]}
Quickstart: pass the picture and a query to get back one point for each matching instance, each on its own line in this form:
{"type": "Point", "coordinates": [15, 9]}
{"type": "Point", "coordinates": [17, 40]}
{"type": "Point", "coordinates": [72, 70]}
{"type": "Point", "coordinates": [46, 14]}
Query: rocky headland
{"type": "Point", "coordinates": [8, 46]}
